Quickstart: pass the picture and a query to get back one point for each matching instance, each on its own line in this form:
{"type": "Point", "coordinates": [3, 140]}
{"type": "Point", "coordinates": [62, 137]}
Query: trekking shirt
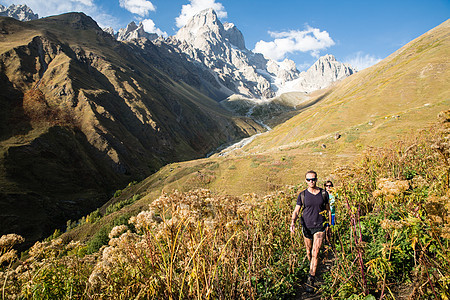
{"type": "Point", "coordinates": [312, 207]}
{"type": "Point", "coordinates": [332, 199]}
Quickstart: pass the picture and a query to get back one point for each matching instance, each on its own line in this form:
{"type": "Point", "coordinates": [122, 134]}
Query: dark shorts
{"type": "Point", "coordinates": [309, 232]}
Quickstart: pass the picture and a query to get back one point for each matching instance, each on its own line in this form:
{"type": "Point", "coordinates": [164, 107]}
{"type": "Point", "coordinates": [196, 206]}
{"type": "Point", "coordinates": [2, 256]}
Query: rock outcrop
{"type": "Point", "coordinates": [131, 32]}
{"type": "Point", "coordinates": [134, 32]}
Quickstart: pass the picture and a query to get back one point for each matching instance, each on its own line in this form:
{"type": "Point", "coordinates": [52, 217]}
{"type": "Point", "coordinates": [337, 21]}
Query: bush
{"type": "Point", "coordinates": [119, 205]}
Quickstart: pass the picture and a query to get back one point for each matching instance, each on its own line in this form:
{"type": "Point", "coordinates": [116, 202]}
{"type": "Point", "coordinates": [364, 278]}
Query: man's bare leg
{"type": "Point", "coordinates": [308, 246]}
{"type": "Point", "coordinates": [317, 243]}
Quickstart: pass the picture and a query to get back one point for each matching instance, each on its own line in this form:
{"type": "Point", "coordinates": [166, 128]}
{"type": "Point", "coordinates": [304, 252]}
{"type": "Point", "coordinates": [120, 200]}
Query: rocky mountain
{"type": "Point", "coordinates": [20, 12]}
{"type": "Point", "coordinates": [220, 49]}
{"type": "Point", "coordinates": [82, 114]}
{"type": "Point", "coordinates": [132, 32]}
{"type": "Point", "coordinates": [322, 74]}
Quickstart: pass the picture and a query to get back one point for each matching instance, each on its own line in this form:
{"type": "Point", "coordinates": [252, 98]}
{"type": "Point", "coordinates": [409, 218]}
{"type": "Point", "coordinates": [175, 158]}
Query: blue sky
{"type": "Point", "coordinates": [358, 32]}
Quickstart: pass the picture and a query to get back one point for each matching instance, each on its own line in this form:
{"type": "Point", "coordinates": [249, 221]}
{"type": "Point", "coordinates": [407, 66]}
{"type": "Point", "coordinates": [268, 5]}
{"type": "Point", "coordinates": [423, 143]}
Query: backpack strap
{"type": "Point", "coordinates": [324, 195]}
{"type": "Point", "coordinates": [302, 198]}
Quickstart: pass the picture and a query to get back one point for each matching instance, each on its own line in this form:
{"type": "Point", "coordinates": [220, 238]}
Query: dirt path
{"type": "Point", "coordinates": [326, 261]}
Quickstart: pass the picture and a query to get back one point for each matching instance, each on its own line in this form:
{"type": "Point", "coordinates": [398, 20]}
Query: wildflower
{"type": "Point", "coordinates": [445, 231]}
{"type": "Point", "coordinates": [233, 224]}
{"type": "Point", "coordinates": [117, 230]}
{"type": "Point", "coordinates": [245, 209]}
{"type": "Point", "coordinates": [9, 256]}
{"type": "Point", "coordinates": [390, 188]}
{"type": "Point", "coordinates": [418, 182]}
{"type": "Point", "coordinates": [56, 244]}
{"type": "Point", "coordinates": [10, 240]}
{"type": "Point", "coordinates": [73, 245]}
{"type": "Point", "coordinates": [210, 224]}
{"type": "Point", "coordinates": [387, 224]}
{"type": "Point", "coordinates": [377, 193]}
{"type": "Point", "coordinates": [249, 197]}
{"type": "Point", "coordinates": [145, 220]}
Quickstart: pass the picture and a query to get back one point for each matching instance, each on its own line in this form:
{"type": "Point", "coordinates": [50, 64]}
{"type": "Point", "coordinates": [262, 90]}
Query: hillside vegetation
{"type": "Point", "coordinates": [392, 240]}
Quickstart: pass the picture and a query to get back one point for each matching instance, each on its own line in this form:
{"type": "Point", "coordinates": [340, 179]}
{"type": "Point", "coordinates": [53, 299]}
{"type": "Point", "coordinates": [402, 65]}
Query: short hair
{"type": "Point", "coordinates": [311, 172]}
{"type": "Point", "coordinates": [328, 181]}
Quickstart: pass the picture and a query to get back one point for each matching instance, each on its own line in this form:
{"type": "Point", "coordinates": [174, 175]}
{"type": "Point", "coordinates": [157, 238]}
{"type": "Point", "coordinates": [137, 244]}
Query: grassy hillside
{"type": "Point", "coordinates": [403, 92]}
{"type": "Point", "coordinates": [372, 108]}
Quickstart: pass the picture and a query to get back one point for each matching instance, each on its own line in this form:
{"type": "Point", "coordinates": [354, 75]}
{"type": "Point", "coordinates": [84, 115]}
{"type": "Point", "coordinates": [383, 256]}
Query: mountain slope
{"type": "Point", "coordinates": [404, 91]}
{"type": "Point", "coordinates": [82, 114]}
{"type": "Point", "coordinates": [392, 99]}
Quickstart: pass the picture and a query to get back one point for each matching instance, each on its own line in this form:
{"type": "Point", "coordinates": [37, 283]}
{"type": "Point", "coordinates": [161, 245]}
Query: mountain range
{"type": "Point", "coordinates": [220, 49]}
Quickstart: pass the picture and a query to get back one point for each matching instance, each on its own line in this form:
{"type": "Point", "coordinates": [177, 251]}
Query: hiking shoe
{"type": "Point", "coordinates": [309, 288]}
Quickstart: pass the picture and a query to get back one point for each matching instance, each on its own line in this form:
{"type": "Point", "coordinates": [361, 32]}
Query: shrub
{"type": "Point", "coordinates": [119, 205]}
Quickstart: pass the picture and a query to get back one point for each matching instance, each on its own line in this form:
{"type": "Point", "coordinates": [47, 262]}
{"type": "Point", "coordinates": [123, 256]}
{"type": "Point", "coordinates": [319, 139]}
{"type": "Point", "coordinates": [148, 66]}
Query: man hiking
{"type": "Point", "coordinates": [314, 205]}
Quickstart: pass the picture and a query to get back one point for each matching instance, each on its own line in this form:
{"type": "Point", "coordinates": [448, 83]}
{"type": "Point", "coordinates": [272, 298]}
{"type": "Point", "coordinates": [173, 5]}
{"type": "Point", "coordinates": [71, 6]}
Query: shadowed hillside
{"type": "Point", "coordinates": [82, 114]}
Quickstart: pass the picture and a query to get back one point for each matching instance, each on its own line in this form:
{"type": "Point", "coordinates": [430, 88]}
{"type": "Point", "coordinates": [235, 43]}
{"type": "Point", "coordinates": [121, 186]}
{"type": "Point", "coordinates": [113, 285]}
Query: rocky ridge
{"type": "Point", "coordinates": [132, 32]}
{"type": "Point", "coordinates": [221, 48]}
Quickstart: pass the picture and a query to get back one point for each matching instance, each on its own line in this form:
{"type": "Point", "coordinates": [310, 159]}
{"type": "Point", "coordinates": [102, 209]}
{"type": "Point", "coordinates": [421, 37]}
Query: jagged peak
{"type": "Point", "coordinates": [234, 35]}
{"type": "Point", "coordinates": [133, 31]}
{"type": "Point", "coordinates": [132, 26]}
{"type": "Point", "coordinates": [20, 12]}
{"type": "Point", "coordinates": [207, 12]}
{"type": "Point", "coordinates": [205, 19]}
{"type": "Point", "coordinates": [207, 24]}
{"type": "Point", "coordinates": [327, 57]}
{"type": "Point", "coordinates": [228, 25]}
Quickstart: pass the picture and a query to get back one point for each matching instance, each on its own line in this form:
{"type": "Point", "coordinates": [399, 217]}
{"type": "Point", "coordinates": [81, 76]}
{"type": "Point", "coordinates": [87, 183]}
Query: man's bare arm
{"type": "Point", "coordinates": [294, 217]}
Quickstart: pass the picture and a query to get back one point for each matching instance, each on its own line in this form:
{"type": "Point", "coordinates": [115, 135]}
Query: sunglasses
{"type": "Point", "coordinates": [328, 185]}
{"type": "Point", "coordinates": [311, 179]}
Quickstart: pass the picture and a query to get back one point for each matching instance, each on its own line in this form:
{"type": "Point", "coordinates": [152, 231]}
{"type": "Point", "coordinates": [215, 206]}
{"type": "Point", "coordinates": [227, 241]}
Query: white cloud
{"type": "Point", "coordinates": [196, 6]}
{"type": "Point", "coordinates": [55, 7]}
{"type": "Point", "coordinates": [149, 26]}
{"type": "Point", "coordinates": [361, 61]}
{"type": "Point", "coordinates": [139, 7]}
{"type": "Point", "coordinates": [311, 40]}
